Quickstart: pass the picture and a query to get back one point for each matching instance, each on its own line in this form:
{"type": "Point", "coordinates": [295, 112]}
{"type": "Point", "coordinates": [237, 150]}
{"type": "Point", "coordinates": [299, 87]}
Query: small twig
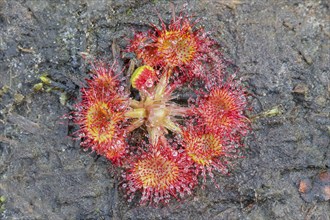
{"type": "Point", "coordinates": [26, 50]}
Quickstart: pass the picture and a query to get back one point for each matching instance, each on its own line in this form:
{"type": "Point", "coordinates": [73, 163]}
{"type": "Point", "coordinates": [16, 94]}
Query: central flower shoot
{"type": "Point", "coordinates": [154, 110]}
{"type": "Point", "coordinates": [156, 115]}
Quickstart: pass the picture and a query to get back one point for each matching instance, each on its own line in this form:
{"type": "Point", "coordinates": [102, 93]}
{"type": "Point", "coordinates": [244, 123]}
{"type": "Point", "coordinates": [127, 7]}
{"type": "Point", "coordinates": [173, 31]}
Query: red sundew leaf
{"type": "Point", "coordinates": [177, 46]}
{"type": "Point", "coordinates": [101, 115]}
{"type": "Point", "coordinates": [222, 110]}
{"type": "Point", "coordinates": [160, 175]}
{"type": "Point", "coordinates": [99, 124]}
{"type": "Point", "coordinates": [207, 150]}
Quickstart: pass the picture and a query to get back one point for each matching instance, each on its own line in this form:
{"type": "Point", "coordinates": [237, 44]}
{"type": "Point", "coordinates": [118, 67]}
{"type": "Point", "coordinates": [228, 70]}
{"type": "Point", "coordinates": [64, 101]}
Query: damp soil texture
{"type": "Point", "coordinates": [282, 50]}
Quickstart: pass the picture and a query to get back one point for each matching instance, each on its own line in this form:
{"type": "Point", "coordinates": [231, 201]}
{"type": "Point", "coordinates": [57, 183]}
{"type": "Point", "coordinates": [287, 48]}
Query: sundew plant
{"type": "Point", "coordinates": [163, 144]}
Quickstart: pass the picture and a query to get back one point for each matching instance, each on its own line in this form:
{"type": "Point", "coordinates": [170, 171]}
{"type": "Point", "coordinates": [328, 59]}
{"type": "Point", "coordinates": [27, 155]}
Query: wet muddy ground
{"type": "Point", "coordinates": [282, 49]}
